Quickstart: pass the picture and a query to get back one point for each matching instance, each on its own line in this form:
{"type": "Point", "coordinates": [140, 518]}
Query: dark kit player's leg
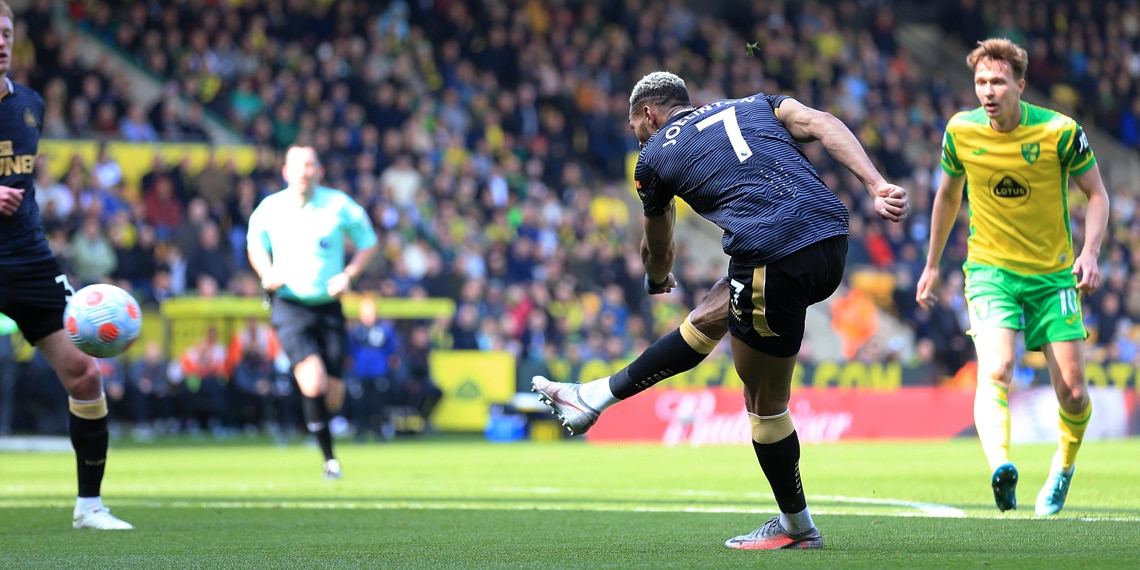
{"type": "Point", "coordinates": [580, 405]}
{"type": "Point", "coordinates": [35, 296]}
{"type": "Point", "coordinates": [767, 313]}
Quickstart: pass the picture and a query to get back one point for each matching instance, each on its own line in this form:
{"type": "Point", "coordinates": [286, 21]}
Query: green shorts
{"type": "Point", "coordinates": [1047, 307]}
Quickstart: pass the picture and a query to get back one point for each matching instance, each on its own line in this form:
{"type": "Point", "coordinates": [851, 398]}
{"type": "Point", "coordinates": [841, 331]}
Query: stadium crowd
{"type": "Point", "coordinates": [489, 142]}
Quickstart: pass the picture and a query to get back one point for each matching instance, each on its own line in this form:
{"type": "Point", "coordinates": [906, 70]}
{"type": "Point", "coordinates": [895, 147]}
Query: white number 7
{"type": "Point", "coordinates": [62, 280]}
{"type": "Point", "coordinates": [728, 117]}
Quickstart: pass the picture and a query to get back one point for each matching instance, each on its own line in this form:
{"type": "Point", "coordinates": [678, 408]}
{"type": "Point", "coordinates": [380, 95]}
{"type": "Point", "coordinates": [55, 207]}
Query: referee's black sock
{"type": "Point", "coordinates": [317, 420]}
{"type": "Point", "coordinates": [669, 356]}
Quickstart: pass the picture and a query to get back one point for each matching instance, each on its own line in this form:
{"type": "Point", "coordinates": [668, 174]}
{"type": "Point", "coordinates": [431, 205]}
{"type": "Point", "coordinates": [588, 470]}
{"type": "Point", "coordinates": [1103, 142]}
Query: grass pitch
{"type": "Point", "coordinates": [448, 502]}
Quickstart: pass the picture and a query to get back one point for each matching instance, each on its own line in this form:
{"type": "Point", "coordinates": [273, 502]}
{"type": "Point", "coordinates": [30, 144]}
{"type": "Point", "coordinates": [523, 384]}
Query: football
{"type": "Point", "coordinates": [102, 320]}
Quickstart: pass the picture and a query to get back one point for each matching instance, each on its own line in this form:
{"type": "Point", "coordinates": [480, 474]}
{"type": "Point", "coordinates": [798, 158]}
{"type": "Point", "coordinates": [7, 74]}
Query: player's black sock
{"type": "Point", "coordinates": [781, 464]}
{"type": "Point", "coordinates": [89, 438]}
{"type": "Point", "coordinates": [317, 420]}
{"type": "Point", "coordinates": [669, 356]}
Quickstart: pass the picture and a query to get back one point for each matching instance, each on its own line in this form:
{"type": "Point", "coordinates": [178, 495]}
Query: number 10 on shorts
{"type": "Point", "coordinates": [1070, 302]}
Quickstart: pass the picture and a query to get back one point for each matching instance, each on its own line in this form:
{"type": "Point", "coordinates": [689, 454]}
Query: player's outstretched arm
{"type": "Point", "coordinates": [1096, 224]}
{"type": "Point", "coordinates": [807, 124]}
{"type": "Point", "coordinates": [947, 201]}
{"type": "Point", "coordinates": [658, 252]}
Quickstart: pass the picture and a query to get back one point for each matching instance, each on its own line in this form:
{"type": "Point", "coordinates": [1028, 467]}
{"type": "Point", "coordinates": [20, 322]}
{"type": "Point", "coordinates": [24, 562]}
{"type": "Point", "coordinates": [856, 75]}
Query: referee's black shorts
{"type": "Point", "coordinates": [305, 330]}
{"type": "Point", "coordinates": [768, 304]}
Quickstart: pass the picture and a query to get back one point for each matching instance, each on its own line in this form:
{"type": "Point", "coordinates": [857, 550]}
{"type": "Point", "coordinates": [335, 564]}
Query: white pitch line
{"type": "Point", "coordinates": [490, 504]}
{"type": "Point", "coordinates": [930, 509]}
{"type": "Point", "coordinates": [920, 510]}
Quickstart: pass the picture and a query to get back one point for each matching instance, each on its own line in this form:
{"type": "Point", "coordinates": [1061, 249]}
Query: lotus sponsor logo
{"type": "Point", "coordinates": [1010, 188]}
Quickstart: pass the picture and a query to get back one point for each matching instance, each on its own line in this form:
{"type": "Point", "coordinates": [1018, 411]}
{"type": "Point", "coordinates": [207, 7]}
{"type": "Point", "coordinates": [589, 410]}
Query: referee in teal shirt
{"type": "Point", "coordinates": [296, 245]}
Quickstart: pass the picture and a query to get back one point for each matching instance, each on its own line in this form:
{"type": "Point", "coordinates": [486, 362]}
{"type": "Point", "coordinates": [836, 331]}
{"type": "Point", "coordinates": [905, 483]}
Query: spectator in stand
{"type": "Point", "coordinates": [154, 407]}
{"type": "Point", "coordinates": [54, 197]}
{"type": "Point", "coordinates": [210, 256]}
{"type": "Point", "coordinates": [163, 210]}
{"type": "Point", "coordinates": [375, 348]}
{"type": "Point", "coordinates": [134, 126]}
{"type": "Point", "coordinates": [416, 388]}
{"type": "Point", "coordinates": [253, 386]}
{"type": "Point", "coordinates": [135, 257]}
{"type": "Point", "coordinates": [238, 210]}
{"type": "Point", "coordinates": [161, 286]}
{"type": "Point", "coordinates": [193, 125]}
{"type": "Point", "coordinates": [159, 169]}
{"type": "Point", "coordinates": [197, 218]}
{"type": "Point", "coordinates": [216, 185]}
{"type": "Point", "coordinates": [120, 398]}
{"type": "Point", "coordinates": [202, 380]}
{"type": "Point", "coordinates": [93, 258]}
{"type": "Point", "coordinates": [855, 319]}
{"type": "Point", "coordinates": [174, 263]}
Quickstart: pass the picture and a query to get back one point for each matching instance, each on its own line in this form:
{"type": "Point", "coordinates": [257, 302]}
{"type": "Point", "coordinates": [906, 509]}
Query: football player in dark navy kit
{"type": "Point", "coordinates": [34, 290]}
{"type": "Point", "coordinates": [738, 164]}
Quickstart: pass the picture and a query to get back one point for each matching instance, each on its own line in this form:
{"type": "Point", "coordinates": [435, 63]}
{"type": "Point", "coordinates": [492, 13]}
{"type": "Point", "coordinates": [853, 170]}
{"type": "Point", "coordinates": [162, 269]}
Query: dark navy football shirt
{"type": "Point", "coordinates": [21, 117]}
{"type": "Point", "coordinates": [737, 166]}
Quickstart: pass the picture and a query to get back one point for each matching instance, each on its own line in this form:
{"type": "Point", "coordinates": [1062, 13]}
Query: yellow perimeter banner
{"type": "Point", "coordinates": [187, 318]}
{"type": "Point", "coordinates": [471, 381]}
{"type": "Point", "coordinates": [137, 159]}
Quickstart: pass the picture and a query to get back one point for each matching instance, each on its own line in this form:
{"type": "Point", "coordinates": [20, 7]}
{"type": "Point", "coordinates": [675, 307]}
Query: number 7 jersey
{"type": "Point", "coordinates": [1017, 186]}
{"type": "Point", "coordinates": [737, 166]}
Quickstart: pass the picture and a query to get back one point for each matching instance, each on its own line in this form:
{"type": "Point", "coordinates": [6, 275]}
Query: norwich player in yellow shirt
{"type": "Point", "coordinates": [1021, 271]}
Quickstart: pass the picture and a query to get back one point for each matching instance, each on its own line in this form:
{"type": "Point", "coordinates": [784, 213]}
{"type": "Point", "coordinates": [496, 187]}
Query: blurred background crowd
{"type": "Point", "coordinates": [488, 139]}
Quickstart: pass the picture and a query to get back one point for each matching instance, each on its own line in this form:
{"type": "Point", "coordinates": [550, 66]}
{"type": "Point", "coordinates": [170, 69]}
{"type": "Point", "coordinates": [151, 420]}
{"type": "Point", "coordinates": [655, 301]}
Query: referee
{"type": "Point", "coordinates": [296, 245]}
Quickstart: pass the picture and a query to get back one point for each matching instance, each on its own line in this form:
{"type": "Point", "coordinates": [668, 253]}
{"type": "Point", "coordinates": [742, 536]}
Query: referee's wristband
{"type": "Point", "coordinates": [655, 288]}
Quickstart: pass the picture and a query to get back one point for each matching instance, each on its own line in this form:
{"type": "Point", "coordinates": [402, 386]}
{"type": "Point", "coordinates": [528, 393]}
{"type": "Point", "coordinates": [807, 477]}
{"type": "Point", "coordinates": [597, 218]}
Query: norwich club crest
{"type": "Point", "coordinates": [1031, 151]}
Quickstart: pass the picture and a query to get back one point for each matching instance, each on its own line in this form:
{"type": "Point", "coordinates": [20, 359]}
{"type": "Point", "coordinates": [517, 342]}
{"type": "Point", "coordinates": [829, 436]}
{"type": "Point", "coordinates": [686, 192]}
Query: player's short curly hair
{"type": "Point", "coordinates": [6, 11]}
{"type": "Point", "coordinates": [1000, 49]}
{"type": "Point", "coordinates": [660, 88]}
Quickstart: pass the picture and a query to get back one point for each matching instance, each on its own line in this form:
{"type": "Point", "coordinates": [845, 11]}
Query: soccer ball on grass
{"type": "Point", "coordinates": [102, 320]}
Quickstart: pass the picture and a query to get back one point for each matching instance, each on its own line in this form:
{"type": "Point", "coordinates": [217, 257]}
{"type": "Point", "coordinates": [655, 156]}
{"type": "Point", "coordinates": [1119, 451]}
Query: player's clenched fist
{"type": "Point", "coordinates": [891, 202]}
{"type": "Point", "coordinates": [10, 199]}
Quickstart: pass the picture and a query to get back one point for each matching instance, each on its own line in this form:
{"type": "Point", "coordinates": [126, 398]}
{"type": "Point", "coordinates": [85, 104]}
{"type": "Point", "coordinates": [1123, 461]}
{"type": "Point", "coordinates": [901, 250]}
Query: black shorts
{"type": "Point", "coordinates": [34, 295]}
{"type": "Point", "coordinates": [768, 303]}
{"type": "Point", "coordinates": [305, 330]}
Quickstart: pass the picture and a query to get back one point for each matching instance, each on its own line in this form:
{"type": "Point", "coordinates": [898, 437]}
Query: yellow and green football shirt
{"type": "Point", "coordinates": [1017, 186]}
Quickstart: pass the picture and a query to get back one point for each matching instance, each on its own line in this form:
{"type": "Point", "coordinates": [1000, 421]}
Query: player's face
{"type": "Point", "coordinates": [301, 170]}
{"type": "Point", "coordinates": [639, 124]}
{"type": "Point", "coordinates": [7, 33]}
{"type": "Point", "coordinates": [997, 90]}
